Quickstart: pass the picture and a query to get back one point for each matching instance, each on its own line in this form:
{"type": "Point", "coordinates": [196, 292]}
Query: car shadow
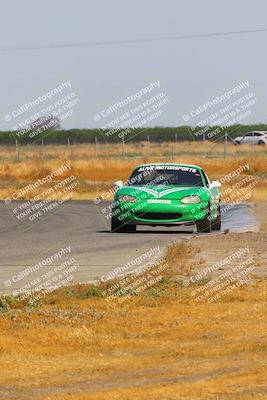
{"type": "Point", "coordinates": [151, 232]}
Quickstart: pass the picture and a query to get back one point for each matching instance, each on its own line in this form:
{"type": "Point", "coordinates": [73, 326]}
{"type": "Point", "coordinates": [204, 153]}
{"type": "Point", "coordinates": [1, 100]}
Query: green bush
{"type": "Point", "coordinates": [4, 306]}
{"type": "Point", "coordinates": [157, 135]}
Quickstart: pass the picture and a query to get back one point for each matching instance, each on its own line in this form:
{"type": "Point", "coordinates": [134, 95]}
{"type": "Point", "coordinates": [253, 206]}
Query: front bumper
{"type": "Point", "coordinates": [172, 213]}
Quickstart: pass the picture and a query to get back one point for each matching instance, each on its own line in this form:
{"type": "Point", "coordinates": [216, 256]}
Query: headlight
{"type": "Point", "coordinates": [126, 198]}
{"type": "Point", "coordinates": [191, 200]}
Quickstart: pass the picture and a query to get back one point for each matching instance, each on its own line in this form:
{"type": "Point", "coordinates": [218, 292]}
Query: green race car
{"type": "Point", "coordinates": [166, 195]}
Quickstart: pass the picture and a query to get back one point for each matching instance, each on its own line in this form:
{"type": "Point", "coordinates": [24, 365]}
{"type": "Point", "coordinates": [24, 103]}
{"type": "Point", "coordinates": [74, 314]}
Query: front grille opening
{"type": "Point", "coordinates": [158, 216]}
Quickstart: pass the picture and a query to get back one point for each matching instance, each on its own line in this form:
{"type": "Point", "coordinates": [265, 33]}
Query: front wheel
{"type": "Point", "coordinates": [217, 224]}
{"type": "Point", "coordinates": [117, 226]}
{"type": "Point", "coordinates": [204, 225]}
{"type": "Point", "coordinates": [261, 142]}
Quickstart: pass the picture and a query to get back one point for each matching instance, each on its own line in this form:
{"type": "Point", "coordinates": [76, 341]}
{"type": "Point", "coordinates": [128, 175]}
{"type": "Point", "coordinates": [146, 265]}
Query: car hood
{"type": "Point", "coordinates": [170, 192]}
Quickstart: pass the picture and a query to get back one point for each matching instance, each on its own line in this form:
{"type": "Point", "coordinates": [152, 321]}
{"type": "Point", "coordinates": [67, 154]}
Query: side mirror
{"type": "Point", "coordinates": [118, 185]}
{"type": "Point", "coordinates": [215, 184]}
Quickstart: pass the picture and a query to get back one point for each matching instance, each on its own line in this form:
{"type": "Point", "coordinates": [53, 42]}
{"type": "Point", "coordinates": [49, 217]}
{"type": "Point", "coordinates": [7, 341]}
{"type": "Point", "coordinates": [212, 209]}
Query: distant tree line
{"type": "Point", "coordinates": [157, 134]}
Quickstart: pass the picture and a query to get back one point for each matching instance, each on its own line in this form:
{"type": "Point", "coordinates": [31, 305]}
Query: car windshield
{"type": "Point", "coordinates": [165, 175]}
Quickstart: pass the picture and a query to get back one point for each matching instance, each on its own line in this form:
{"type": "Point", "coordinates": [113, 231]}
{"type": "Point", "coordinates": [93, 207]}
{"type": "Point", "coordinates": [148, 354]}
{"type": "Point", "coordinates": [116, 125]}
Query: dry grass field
{"type": "Point", "coordinates": [161, 344]}
{"type": "Point", "coordinates": [97, 170]}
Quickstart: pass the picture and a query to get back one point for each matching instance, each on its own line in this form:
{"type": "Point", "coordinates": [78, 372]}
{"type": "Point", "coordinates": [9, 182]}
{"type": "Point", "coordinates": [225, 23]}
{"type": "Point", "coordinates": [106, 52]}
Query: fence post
{"type": "Point", "coordinates": [148, 145]}
{"type": "Point", "coordinates": [96, 152]}
{"type": "Point", "coordinates": [42, 149]}
{"type": "Point", "coordinates": [69, 148]}
{"type": "Point", "coordinates": [17, 151]}
{"type": "Point", "coordinates": [225, 145]}
{"type": "Point", "coordinates": [123, 146]}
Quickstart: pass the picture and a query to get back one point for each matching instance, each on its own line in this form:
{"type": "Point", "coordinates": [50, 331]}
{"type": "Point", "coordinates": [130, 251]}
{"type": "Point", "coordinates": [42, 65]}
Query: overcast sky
{"type": "Point", "coordinates": [190, 71]}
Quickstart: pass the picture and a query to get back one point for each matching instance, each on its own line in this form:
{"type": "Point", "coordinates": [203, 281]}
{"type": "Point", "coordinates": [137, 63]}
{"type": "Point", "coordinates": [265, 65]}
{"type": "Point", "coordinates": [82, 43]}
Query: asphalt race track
{"type": "Point", "coordinates": [79, 227]}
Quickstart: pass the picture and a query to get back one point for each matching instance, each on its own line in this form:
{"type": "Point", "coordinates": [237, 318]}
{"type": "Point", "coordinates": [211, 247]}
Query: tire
{"type": "Point", "coordinates": [217, 224]}
{"type": "Point", "coordinates": [204, 225]}
{"type": "Point", "coordinates": [261, 142]}
{"type": "Point", "coordinates": [130, 228]}
{"type": "Point", "coordinates": [118, 227]}
{"type": "Point", "coordinates": [236, 142]}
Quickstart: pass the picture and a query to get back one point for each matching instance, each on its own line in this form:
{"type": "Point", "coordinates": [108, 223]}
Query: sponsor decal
{"type": "Point", "coordinates": [167, 168]}
{"type": "Point", "coordinates": [158, 201]}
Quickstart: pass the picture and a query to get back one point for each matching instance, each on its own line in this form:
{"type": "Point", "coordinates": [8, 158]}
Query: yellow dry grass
{"type": "Point", "coordinates": [97, 174]}
{"type": "Point", "coordinates": [153, 347]}
{"type": "Point", "coordinates": [181, 258]}
{"type": "Point", "coordinates": [161, 344]}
